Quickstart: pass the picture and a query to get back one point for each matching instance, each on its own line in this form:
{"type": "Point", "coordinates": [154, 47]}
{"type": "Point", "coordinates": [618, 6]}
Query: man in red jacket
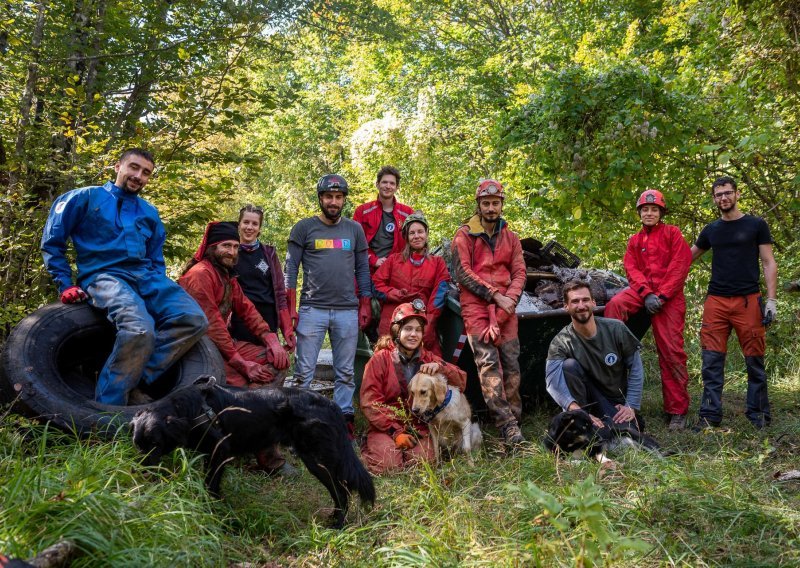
{"type": "Point", "coordinates": [382, 218]}
{"type": "Point", "coordinates": [212, 283]}
{"type": "Point", "coordinates": [657, 263]}
{"type": "Point", "coordinates": [490, 271]}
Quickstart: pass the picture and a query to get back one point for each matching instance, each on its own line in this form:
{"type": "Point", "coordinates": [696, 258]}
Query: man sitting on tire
{"type": "Point", "coordinates": [118, 239]}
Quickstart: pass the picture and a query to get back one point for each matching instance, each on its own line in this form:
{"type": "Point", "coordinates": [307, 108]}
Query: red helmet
{"type": "Point", "coordinates": [490, 188]}
{"type": "Point", "coordinates": [651, 197]}
{"type": "Point", "coordinates": [415, 309]}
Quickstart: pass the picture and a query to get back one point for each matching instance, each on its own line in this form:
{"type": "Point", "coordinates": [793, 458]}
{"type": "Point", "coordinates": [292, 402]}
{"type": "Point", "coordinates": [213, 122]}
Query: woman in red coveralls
{"type": "Point", "coordinates": [413, 274]}
{"type": "Point", "coordinates": [396, 438]}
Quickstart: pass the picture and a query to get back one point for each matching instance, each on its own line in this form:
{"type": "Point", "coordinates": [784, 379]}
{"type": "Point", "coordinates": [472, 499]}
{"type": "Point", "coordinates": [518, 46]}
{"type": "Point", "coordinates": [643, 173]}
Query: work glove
{"type": "Point", "coordinates": [652, 304]}
{"type": "Point", "coordinates": [403, 441]}
{"type": "Point", "coordinates": [73, 295]}
{"type": "Point", "coordinates": [287, 329]}
{"type": "Point", "coordinates": [251, 370]}
{"type": "Point", "coordinates": [276, 354]}
{"type": "Point", "coordinates": [397, 296]}
{"type": "Point", "coordinates": [770, 311]}
{"type": "Point", "coordinates": [364, 312]}
{"type": "Point", "coordinates": [492, 332]}
{"type": "Point", "coordinates": [291, 300]}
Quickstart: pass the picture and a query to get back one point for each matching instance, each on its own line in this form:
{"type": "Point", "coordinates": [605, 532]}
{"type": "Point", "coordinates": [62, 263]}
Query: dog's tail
{"type": "Point", "coordinates": [356, 475]}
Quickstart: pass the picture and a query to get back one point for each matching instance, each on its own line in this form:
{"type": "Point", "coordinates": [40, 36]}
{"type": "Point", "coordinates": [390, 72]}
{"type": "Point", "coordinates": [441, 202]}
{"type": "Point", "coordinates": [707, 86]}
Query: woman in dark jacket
{"type": "Point", "coordinates": [261, 279]}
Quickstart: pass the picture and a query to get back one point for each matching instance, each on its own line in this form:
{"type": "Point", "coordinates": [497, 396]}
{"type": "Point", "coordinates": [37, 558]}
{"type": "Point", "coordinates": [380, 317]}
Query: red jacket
{"type": "Point", "coordinates": [384, 398]}
{"type": "Point", "coordinates": [218, 296]}
{"type": "Point", "coordinates": [480, 272]}
{"type": "Point", "coordinates": [369, 214]}
{"type": "Point", "coordinates": [427, 281]}
{"type": "Point", "coordinates": [657, 261]}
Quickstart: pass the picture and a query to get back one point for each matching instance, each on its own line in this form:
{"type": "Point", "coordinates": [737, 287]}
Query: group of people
{"type": "Point", "coordinates": [235, 291]}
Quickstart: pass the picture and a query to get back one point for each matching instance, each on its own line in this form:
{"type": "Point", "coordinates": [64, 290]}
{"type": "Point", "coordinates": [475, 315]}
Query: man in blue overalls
{"type": "Point", "coordinates": [118, 239]}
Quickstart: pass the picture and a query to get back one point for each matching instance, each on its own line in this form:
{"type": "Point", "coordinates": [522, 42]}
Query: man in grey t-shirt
{"type": "Point", "coordinates": [594, 363]}
{"type": "Point", "coordinates": [333, 252]}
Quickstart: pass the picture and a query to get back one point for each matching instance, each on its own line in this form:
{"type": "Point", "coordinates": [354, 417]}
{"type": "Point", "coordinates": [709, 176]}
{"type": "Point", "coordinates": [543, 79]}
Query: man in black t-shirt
{"type": "Point", "coordinates": [734, 301]}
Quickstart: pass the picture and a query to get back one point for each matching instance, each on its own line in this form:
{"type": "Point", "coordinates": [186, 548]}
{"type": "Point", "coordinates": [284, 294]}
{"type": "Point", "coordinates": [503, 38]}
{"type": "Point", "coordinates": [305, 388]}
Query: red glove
{"type": "Point", "coordinates": [397, 296]}
{"type": "Point", "coordinates": [287, 329]}
{"type": "Point", "coordinates": [291, 300]}
{"type": "Point", "coordinates": [276, 354]}
{"type": "Point", "coordinates": [73, 295]}
{"type": "Point", "coordinates": [492, 333]}
{"type": "Point", "coordinates": [251, 370]}
{"type": "Point", "coordinates": [364, 312]}
{"type": "Point", "coordinates": [403, 441]}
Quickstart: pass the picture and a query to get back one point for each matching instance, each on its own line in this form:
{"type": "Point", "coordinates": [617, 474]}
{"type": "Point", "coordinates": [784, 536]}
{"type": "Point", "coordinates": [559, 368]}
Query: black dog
{"type": "Point", "coordinates": [573, 431]}
{"type": "Point", "coordinates": [225, 421]}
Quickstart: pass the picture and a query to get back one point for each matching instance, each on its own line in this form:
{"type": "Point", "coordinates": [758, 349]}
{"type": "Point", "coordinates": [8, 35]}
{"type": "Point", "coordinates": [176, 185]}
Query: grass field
{"type": "Point", "coordinates": [714, 502]}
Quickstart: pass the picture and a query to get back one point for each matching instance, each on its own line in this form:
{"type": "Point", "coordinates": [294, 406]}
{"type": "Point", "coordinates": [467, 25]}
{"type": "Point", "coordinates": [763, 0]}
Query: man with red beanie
{"type": "Point", "coordinates": [211, 281]}
{"type": "Point", "coordinates": [657, 263]}
{"type": "Point", "coordinates": [490, 271]}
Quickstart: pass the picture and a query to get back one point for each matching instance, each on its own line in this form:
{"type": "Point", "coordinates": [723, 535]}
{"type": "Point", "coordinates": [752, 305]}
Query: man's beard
{"type": "Point", "coordinates": [582, 317]}
{"type": "Point", "coordinates": [127, 189]}
{"type": "Point", "coordinates": [218, 259]}
{"type": "Point", "coordinates": [331, 216]}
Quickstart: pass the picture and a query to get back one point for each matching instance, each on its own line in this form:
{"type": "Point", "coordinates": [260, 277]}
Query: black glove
{"type": "Point", "coordinates": [652, 304]}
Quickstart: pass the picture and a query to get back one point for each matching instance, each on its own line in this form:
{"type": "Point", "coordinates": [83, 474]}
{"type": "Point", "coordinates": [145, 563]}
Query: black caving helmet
{"type": "Point", "coordinates": [332, 182]}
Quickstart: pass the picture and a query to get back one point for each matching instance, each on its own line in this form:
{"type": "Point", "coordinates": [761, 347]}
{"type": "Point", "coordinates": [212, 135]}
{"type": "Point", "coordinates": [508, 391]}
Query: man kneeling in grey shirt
{"type": "Point", "coordinates": [594, 363]}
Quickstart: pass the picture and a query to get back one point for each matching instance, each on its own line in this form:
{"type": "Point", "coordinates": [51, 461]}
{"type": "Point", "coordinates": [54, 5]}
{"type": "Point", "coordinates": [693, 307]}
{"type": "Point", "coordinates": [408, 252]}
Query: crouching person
{"type": "Point", "coordinates": [211, 281]}
{"type": "Point", "coordinates": [594, 363]}
{"type": "Point", "coordinates": [396, 438]}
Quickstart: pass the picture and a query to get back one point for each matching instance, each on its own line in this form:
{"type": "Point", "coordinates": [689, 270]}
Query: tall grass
{"type": "Point", "coordinates": [713, 502]}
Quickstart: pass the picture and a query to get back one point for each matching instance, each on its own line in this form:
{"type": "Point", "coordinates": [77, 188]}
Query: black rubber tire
{"type": "Point", "coordinates": [52, 358]}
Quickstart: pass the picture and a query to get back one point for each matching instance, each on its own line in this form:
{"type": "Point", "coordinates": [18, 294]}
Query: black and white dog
{"type": "Point", "coordinates": [223, 422]}
{"type": "Point", "coordinates": [573, 432]}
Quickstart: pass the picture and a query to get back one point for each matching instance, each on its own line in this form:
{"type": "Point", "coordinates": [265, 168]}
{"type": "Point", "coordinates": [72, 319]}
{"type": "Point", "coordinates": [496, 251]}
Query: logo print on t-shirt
{"type": "Point", "coordinates": [343, 244]}
{"type": "Point", "coordinates": [390, 227]}
{"type": "Point", "coordinates": [263, 266]}
{"type": "Point", "coordinates": [611, 358]}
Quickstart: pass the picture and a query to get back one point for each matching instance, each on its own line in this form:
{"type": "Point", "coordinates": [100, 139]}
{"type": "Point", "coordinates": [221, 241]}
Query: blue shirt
{"type": "Point", "coordinates": [113, 232]}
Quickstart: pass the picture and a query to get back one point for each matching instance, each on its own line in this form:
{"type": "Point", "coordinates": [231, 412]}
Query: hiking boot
{"type": "Point", "coordinates": [703, 423]}
{"type": "Point", "coordinates": [137, 397]}
{"type": "Point", "coordinates": [677, 422]}
{"type": "Point", "coordinates": [512, 436]}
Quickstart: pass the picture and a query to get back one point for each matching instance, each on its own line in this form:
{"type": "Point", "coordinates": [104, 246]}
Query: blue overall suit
{"type": "Point", "coordinates": [118, 238]}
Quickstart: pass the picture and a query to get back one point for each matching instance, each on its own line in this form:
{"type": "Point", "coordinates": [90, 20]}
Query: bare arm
{"type": "Point", "coordinates": [770, 270]}
{"type": "Point", "coordinates": [697, 252]}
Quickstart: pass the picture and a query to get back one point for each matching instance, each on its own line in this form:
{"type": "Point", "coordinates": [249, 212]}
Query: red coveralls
{"type": "Point", "coordinates": [657, 262]}
{"type": "Point", "coordinates": [369, 214]}
{"type": "Point", "coordinates": [480, 272]}
{"type": "Point", "coordinates": [219, 295]}
{"type": "Point", "coordinates": [384, 402]}
{"type": "Point", "coordinates": [428, 282]}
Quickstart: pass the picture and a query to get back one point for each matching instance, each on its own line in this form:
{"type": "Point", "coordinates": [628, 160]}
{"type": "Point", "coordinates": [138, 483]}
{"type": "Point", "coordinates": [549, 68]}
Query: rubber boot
{"type": "Point", "coordinates": [757, 400]}
{"type": "Point", "coordinates": [713, 381]}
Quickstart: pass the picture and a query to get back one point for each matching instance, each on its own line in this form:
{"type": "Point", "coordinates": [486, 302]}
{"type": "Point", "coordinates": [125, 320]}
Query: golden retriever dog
{"type": "Point", "coordinates": [447, 412]}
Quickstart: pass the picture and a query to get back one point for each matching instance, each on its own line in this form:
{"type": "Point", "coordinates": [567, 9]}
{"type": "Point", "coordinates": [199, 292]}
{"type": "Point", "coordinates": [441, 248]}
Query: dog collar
{"type": "Point", "coordinates": [208, 416]}
{"type": "Point", "coordinates": [429, 415]}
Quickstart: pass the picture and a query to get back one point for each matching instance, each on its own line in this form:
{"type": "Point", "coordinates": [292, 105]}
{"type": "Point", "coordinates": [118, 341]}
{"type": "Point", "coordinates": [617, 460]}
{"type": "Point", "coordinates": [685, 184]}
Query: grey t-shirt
{"type": "Point", "coordinates": [383, 241]}
{"type": "Point", "coordinates": [606, 356]}
{"type": "Point", "coordinates": [334, 257]}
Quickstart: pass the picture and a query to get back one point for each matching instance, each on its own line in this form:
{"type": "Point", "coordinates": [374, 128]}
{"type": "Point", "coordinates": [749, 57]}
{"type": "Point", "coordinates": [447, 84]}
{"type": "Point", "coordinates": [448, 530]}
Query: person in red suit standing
{"type": "Point", "coordinates": [657, 262]}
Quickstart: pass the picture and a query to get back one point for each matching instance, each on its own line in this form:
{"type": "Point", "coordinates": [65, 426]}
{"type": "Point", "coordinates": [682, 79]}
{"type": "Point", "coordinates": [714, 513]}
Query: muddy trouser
{"type": "Point", "coordinates": [381, 455]}
{"type": "Point", "coordinates": [498, 371]}
{"type": "Point", "coordinates": [156, 321]}
{"type": "Point", "coordinates": [583, 389]}
{"type": "Point", "coordinates": [668, 326]}
{"type": "Point", "coordinates": [269, 458]}
{"type": "Point", "coordinates": [721, 315]}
